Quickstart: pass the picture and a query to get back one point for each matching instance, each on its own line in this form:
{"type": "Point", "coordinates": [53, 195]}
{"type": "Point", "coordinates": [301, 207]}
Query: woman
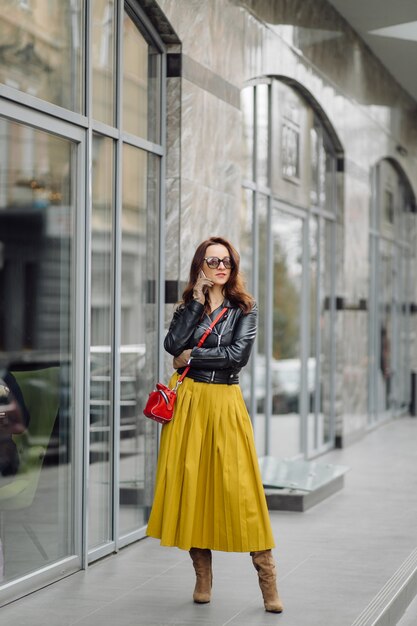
{"type": "Point", "coordinates": [209, 493]}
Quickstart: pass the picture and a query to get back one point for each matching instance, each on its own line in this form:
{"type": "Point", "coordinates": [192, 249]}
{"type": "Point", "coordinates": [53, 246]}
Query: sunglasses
{"type": "Point", "coordinates": [213, 262]}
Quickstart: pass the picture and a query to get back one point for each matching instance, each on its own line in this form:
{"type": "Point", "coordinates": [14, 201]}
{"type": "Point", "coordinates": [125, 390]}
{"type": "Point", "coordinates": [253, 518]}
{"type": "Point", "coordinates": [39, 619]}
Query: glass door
{"type": "Point", "coordinates": [138, 336]}
{"type": "Point", "coordinates": [39, 461]}
{"type": "Point", "coordinates": [124, 278]}
{"type": "Point", "coordinates": [392, 229]}
{"type": "Point", "coordinates": [319, 367]}
{"type": "Point", "coordinates": [101, 438]}
{"type": "Point", "coordinates": [285, 361]}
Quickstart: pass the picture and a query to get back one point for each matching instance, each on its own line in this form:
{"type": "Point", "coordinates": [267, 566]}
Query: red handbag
{"type": "Point", "coordinates": [161, 401]}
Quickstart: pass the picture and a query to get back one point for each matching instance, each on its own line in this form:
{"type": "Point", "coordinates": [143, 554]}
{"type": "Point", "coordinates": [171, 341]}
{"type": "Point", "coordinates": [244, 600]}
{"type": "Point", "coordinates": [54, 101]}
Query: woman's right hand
{"type": "Point", "coordinates": [182, 359]}
{"type": "Point", "coordinates": [202, 284]}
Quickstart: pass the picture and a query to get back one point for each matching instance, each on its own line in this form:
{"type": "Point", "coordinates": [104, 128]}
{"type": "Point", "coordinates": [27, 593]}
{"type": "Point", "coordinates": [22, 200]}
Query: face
{"type": "Point", "coordinates": [221, 274]}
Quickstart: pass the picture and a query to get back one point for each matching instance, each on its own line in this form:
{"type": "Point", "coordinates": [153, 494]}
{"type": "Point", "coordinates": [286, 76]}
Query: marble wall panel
{"type": "Point", "coordinates": [210, 32]}
{"type": "Point", "coordinates": [205, 212]}
{"type": "Point", "coordinates": [308, 43]}
{"type": "Point", "coordinates": [173, 127]}
{"type": "Point", "coordinates": [172, 226]}
{"type": "Point", "coordinates": [211, 140]}
{"type": "Point", "coordinates": [173, 178]}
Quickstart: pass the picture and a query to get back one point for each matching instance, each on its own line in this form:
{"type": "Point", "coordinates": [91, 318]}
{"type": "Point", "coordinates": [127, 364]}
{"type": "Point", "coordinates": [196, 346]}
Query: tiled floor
{"type": "Point", "coordinates": [332, 559]}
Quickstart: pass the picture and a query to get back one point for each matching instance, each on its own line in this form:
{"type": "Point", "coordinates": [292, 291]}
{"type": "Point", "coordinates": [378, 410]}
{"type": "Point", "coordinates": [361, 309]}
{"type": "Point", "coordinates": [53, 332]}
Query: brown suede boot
{"type": "Point", "coordinates": [265, 566]}
{"type": "Point", "coordinates": [202, 565]}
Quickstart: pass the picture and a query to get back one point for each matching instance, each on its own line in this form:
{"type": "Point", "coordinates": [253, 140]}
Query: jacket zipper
{"type": "Point", "coordinates": [213, 372]}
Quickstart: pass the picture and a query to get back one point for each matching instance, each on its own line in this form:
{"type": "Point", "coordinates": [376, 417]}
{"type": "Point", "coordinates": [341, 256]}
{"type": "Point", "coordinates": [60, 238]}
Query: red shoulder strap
{"type": "Point", "coordinates": [202, 340]}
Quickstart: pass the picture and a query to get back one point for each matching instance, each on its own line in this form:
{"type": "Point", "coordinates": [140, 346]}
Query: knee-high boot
{"type": "Point", "coordinates": [265, 566]}
{"type": "Point", "coordinates": [202, 565]}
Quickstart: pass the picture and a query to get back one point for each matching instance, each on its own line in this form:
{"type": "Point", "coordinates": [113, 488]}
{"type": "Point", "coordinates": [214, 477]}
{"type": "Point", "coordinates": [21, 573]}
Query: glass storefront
{"type": "Point", "coordinates": [37, 211]}
{"type": "Point", "coordinates": [290, 171]}
{"type": "Point", "coordinates": [79, 282]}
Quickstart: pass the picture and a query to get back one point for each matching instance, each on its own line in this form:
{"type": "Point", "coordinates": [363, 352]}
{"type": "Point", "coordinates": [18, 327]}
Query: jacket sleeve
{"type": "Point", "coordinates": [235, 355]}
{"type": "Point", "coordinates": [182, 327]}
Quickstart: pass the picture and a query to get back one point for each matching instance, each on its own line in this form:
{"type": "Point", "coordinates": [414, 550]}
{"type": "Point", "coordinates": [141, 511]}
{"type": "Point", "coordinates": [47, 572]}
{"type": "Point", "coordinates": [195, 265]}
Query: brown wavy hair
{"type": "Point", "coordinates": [234, 290]}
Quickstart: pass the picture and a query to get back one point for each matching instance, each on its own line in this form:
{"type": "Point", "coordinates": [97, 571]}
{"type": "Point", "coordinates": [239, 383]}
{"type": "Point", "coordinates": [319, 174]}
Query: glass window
{"type": "Point", "coordinates": [290, 142]}
{"type": "Point", "coordinates": [313, 391]}
{"type": "Point", "coordinates": [36, 338]}
{"type": "Point", "coordinates": [103, 60]}
{"type": "Point", "coordinates": [42, 50]}
{"type": "Point", "coordinates": [247, 112]}
{"type": "Point", "coordinates": [138, 354]}
{"type": "Point", "coordinates": [246, 265]}
{"type": "Point", "coordinates": [101, 352]}
{"type": "Point", "coordinates": [262, 348]}
{"type": "Point", "coordinates": [390, 297]}
{"type": "Point", "coordinates": [388, 208]}
{"type": "Point", "coordinates": [322, 368]}
{"type": "Point", "coordinates": [385, 305]}
{"type": "Point", "coordinates": [294, 156]}
{"type": "Point", "coordinates": [262, 135]}
{"type": "Point", "coordinates": [141, 80]}
{"type": "Point", "coordinates": [287, 233]}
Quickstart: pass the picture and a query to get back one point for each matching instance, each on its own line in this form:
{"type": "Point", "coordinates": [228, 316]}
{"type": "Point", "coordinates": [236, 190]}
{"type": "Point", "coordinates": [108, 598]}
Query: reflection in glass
{"type": "Point", "coordinates": [323, 170]}
{"type": "Point", "coordinates": [290, 157]}
{"type": "Point", "coordinates": [245, 239]}
{"type": "Point", "coordinates": [385, 303]}
{"type": "Point", "coordinates": [138, 334]}
{"type": "Point", "coordinates": [42, 50]}
{"type": "Point", "coordinates": [286, 361]}
{"type": "Point", "coordinates": [141, 72]}
{"type": "Point", "coordinates": [313, 391]}
{"type": "Point", "coordinates": [36, 424]}
{"type": "Point", "coordinates": [328, 187]}
{"type": "Point", "coordinates": [248, 128]}
{"type": "Point", "coordinates": [402, 313]}
{"type": "Point", "coordinates": [262, 135]}
{"type": "Point", "coordinates": [324, 360]}
{"type": "Point", "coordinates": [319, 366]}
{"type": "Point", "coordinates": [260, 360]}
{"type": "Point", "coordinates": [246, 266]}
{"type": "Point", "coordinates": [101, 355]}
{"type": "Point", "coordinates": [103, 59]}
{"type": "Point", "coordinates": [392, 245]}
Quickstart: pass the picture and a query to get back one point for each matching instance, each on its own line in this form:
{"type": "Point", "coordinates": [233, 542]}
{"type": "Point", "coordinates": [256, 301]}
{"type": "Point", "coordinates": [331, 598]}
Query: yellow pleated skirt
{"type": "Point", "coordinates": [209, 491]}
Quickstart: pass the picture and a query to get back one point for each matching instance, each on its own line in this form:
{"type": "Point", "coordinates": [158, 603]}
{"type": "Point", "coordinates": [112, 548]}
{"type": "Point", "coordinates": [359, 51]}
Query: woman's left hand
{"type": "Point", "coordinates": [182, 359]}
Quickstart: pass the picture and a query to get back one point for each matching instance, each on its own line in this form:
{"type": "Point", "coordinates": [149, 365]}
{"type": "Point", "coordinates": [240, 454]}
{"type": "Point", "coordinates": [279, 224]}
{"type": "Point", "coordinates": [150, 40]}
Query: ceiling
{"type": "Point", "coordinates": [389, 28]}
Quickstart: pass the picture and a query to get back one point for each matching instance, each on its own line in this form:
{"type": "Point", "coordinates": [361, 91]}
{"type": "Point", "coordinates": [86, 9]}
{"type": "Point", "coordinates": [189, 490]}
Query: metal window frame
{"type": "Point", "coordinates": [399, 290]}
{"type": "Point", "coordinates": [39, 120]}
{"type": "Point", "coordinates": [79, 127]}
{"type": "Point", "coordinates": [324, 216]}
{"type": "Point", "coordinates": [149, 32]}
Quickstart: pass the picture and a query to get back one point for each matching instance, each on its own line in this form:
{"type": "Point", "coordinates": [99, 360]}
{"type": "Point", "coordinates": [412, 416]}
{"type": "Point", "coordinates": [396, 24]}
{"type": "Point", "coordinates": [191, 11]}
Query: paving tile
{"type": "Point", "coordinates": [329, 559]}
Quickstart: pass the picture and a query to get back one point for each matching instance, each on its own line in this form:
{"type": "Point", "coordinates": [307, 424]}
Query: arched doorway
{"type": "Point", "coordinates": [290, 181]}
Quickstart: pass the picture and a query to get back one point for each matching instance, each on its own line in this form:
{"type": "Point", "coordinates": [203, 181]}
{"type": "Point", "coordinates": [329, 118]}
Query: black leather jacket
{"type": "Point", "coordinates": [225, 351]}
